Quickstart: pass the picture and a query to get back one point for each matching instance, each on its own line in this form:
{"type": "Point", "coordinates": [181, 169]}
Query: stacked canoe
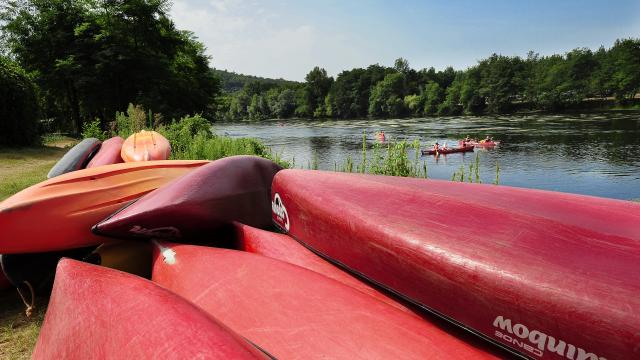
{"type": "Point", "coordinates": [238, 258]}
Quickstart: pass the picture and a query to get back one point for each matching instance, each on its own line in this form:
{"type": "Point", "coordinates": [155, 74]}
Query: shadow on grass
{"type": "Point", "coordinates": [18, 334]}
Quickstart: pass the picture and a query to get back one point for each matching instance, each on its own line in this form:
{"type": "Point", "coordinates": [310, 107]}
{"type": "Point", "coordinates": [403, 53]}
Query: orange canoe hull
{"type": "Point", "coordinates": [145, 146]}
{"type": "Point", "coordinates": [58, 214]}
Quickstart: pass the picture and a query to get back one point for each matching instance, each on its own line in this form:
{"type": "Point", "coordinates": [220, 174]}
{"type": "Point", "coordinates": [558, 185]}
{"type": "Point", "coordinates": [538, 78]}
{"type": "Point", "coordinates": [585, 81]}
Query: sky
{"type": "Point", "coordinates": [286, 38]}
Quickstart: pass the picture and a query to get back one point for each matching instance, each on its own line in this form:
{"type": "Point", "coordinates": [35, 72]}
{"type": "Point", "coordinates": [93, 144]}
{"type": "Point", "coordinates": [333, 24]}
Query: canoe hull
{"type": "Point", "coordinates": [236, 188]}
{"type": "Point", "coordinates": [296, 313]}
{"type": "Point", "coordinates": [96, 313]}
{"type": "Point", "coordinates": [108, 154]}
{"type": "Point", "coordinates": [145, 146]}
{"type": "Point", "coordinates": [67, 206]}
{"type": "Point", "coordinates": [76, 158]}
{"type": "Point", "coordinates": [503, 262]}
{"type": "Point", "coordinates": [448, 150]}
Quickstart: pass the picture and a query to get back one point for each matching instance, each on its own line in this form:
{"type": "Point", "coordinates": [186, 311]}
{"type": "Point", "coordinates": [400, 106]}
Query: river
{"type": "Point", "coordinates": [594, 154]}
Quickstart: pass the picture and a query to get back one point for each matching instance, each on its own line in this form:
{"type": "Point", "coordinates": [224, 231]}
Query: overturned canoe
{"type": "Point", "coordinates": [58, 214]}
{"type": "Point", "coordinates": [296, 313]}
{"type": "Point", "coordinates": [145, 146]}
{"type": "Point", "coordinates": [99, 313]}
{"type": "Point", "coordinates": [285, 248]}
{"type": "Point", "coordinates": [545, 274]}
{"type": "Point", "coordinates": [108, 154]}
{"type": "Point", "coordinates": [236, 188]}
{"type": "Point", "coordinates": [76, 158]}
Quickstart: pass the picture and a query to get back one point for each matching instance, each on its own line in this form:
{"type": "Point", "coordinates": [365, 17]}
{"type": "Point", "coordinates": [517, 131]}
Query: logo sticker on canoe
{"type": "Point", "coordinates": [280, 215]}
{"type": "Point", "coordinates": [535, 342]}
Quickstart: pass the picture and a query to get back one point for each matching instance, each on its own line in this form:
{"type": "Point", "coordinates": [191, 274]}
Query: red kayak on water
{"type": "Point", "coordinates": [547, 275]}
{"type": "Point", "coordinates": [100, 313]}
{"type": "Point", "coordinates": [295, 313]}
{"type": "Point", "coordinates": [481, 143]}
{"type": "Point", "coordinates": [466, 148]}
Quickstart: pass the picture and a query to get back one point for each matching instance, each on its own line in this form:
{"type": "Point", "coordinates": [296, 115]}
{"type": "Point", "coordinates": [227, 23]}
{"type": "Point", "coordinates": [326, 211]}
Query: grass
{"type": "Point", "coordinates": [21, 168]}
{"type": "Point", "coordinates": [18, 334]}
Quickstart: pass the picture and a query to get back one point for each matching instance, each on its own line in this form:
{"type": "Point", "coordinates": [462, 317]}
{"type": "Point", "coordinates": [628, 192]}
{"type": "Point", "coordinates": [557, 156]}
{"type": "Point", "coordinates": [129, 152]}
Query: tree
{"type": "Point", "coordinates": [317, 87]}
{"type": "Point", "coordinates": [92, 58]}
{"type": "Point", "coordinates": [401, 65]}
{"type": "Point", "coordinates": [415, 104]}
{"type": "Point", "coordinates": [625, 59]}
{"type": "Point", "coordinates": [470, 98]}
{"type": "Point", "coordinates": [450, 105]}
{"type": "Point", "coordinates": [18, 106]}
{"type": "Point", "coordinates": [387, 96]}
{"type": "Point", "coordinates": [433, 96]}
{"type": "Point", "coordinates": [501, 82]}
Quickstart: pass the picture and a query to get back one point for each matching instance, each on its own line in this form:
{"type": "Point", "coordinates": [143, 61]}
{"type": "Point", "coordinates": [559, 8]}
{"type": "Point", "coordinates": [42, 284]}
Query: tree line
{"type": "Point", "coordinates": [498, 84]}
{"type": "Point", "coordinates": [67, 62]}
{"type": "Point", "coordinates": [91, 58]}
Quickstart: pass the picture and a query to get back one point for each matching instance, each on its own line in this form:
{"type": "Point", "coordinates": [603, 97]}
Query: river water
{"type": "Point", "coordinates": [593, 154]}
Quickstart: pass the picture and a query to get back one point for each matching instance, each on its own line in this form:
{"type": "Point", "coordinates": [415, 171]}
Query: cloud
{"type": "Point", "coordinates": [245, 37]}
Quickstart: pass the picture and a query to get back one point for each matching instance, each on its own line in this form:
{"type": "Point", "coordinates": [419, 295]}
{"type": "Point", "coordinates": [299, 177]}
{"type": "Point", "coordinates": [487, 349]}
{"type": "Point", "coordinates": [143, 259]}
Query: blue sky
{"type": "Point", "coordinates": [285, 38]}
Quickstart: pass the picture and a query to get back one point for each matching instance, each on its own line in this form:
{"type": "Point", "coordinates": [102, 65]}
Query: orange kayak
{"type": "Point", "coordinates": [58, 213]}
{"type": "Point", "coordinates": [145, 146]}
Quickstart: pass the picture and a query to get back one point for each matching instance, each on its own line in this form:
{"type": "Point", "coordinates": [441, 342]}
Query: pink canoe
{"type": "Point", "coordinates": [109, 153]}
{"type": "Point", "coordinates": [548, 275]}
{"type": "Point", "coordinates": [99, 313]}
{"type": "Point", "coordinates": [296, 313]}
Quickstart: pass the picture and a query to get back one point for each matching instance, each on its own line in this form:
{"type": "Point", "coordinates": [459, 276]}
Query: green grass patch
{"type": "Point", "coordinates": [18, 334]}
{"type": "Point", "coordinates": [23, 167]}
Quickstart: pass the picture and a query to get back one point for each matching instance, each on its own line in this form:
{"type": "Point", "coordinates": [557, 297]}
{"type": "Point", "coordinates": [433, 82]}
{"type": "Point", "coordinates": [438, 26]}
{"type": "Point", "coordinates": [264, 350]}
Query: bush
{"type": "Point", "coordinates": [18, 106]}
{"type": "Point", "coordinates": [191, 137]}
{"type": "Point", "coordinates": [92, 130]}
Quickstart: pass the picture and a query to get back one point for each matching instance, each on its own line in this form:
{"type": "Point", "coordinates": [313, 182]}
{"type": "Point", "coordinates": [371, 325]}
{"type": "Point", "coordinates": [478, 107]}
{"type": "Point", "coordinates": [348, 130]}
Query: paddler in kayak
{"type": "Point", "coordinates": [436, 147]}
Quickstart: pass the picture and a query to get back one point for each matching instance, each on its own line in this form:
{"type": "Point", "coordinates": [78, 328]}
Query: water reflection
{"type": "Point", "coordinates": [595, 154]}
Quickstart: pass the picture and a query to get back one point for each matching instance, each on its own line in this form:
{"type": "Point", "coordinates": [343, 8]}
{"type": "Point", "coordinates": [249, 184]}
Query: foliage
{"type": "Point", "coordinates": [92, 130]}
{"type": "Point", "coordinates": [191, 137]}
{"type": "Point", "coordinates": [387, 96]}
{"type": "Point", "coordinates": [18, 106]}
{"type": "Point", "coordinates": [231, 82]}
{"type": "Point", "coordinates": [92, 58]}
{"type": "Point", "coordinates": [497, 84]}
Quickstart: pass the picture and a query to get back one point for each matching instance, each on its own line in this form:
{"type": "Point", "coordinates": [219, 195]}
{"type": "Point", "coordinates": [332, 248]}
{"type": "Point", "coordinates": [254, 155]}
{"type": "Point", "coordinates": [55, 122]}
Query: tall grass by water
{"type": "Point", "coordinates": [392, 159]}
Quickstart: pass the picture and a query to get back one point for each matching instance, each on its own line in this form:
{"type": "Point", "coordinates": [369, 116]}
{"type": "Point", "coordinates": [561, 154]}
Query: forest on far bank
{"type": "Point", "coordinates": [65, 63]}
{"type": "Point", "coordinates": [495, 85]}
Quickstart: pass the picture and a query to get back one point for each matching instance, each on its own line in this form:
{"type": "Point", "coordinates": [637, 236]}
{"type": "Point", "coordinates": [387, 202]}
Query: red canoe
{"type": "Point", "coordinates": [58, 214]}
{"type": "Point", "coordinates": [448, 150]}
{"type": "Point", "coordinates": [295, 313]}
{"type": "Point", "coordinates": [285, 248]}
{"type": "Point", "coordinates": [482, 144]}
{"type": "Point", "coordinates": [195, 205]}
{"type": "Point", "coordinates": [109, 153]}
{"type": "Point", "coordinates": [99, 313]}
{"type": "Point", "coordinates": [546, 274]}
